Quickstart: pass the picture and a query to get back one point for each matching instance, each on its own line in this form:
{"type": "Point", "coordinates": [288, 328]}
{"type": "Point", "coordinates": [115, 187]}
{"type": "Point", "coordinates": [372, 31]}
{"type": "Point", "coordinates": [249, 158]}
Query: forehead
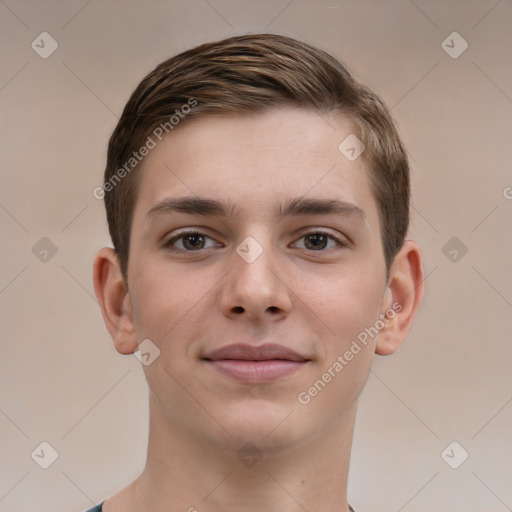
{"type": "Point", "coordinates": [256, 161]}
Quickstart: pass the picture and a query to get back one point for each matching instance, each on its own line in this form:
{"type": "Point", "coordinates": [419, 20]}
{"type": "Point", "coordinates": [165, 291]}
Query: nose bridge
{"type": "Point", "coordinates": [253, 262]}
{"type": "Point", "coordinates": [254, 286]}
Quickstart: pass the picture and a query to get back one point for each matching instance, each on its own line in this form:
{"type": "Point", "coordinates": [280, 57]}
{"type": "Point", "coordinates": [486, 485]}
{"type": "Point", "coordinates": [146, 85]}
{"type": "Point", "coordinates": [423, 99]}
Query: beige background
{"type": "Point", "coordinates": [63, 382]}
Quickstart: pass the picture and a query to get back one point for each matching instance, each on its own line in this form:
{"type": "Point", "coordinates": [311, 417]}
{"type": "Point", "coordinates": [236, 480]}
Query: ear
{"type": "Point", "coordinates": [114, 301]}
{"type": "Point", "coordinates": [402, 298]}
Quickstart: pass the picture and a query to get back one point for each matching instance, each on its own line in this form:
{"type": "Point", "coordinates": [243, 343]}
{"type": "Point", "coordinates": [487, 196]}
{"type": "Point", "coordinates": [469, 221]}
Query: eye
{"type": "Point", "coordinates": [193, 241]}
{"type": "Point", "coordinates": [319, 241]}
{"type": "Point", "coordinates": [189, 241]}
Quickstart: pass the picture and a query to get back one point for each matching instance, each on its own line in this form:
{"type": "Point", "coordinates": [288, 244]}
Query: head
{"type": "Point", "coordinates": [246, 75]}
{"type": "Point", "coordinates": [255, 125]}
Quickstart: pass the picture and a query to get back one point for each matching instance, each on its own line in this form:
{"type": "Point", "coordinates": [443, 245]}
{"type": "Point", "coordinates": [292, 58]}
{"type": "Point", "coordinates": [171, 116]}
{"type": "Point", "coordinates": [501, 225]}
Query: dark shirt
{"type": "Point", "coordinates": [99, 508]}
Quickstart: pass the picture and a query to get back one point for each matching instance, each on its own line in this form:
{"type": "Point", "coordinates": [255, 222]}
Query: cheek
{"type": "Point", "coordinates": [346, 302]}
{"type": "Point", "coordinates": [348, 306]}
{"type": "Point", "coordinates": [164, 299]}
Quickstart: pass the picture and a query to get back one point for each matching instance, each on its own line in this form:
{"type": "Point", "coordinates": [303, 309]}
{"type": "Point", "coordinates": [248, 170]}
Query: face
{"type": "Point", "coordinates": [286, 251]}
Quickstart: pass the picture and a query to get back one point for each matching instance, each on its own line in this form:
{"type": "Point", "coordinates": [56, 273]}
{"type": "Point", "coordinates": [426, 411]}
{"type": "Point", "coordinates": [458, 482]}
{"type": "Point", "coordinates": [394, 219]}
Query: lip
{"type": "Point", "coordinates": [255, 364]}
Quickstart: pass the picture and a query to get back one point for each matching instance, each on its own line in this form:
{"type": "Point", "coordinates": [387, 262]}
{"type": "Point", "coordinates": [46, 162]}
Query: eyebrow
{"type": "Point", "coordinates": [293, 207]}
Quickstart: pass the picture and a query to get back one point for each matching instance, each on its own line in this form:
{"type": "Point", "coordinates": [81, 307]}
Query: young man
{"type": "Point", "coordinates": [257, 197]}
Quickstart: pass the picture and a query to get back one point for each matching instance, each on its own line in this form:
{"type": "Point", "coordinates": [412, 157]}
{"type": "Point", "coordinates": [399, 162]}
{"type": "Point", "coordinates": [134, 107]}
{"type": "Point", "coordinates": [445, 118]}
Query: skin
{"type": "Point", "coordinates": [315, 299]}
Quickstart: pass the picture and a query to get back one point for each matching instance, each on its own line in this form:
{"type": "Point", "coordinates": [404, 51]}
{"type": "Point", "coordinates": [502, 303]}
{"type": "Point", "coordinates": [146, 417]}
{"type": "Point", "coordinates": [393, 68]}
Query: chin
{"type": "Point", "coordinates": [262, 423]}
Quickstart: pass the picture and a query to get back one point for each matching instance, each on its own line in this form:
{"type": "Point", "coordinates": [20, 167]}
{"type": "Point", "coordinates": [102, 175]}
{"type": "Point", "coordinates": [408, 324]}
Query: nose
{"type": "Point", "coordinates": [256, 289]}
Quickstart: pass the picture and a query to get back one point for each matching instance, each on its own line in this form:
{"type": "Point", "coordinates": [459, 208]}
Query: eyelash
{"type": "Point", "coordinates": [169, 244]}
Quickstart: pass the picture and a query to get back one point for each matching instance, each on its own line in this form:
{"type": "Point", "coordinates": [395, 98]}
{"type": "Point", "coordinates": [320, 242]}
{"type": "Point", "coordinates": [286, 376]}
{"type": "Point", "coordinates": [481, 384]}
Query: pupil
{"type": "Point", "coordinates": [195, 238]}
{"type": "Point", "coordinates": [318, 240]}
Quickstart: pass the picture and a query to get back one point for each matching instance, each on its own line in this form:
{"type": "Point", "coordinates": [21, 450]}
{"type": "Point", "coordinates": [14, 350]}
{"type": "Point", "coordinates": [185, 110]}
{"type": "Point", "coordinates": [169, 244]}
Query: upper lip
{"type": "Point", "coordinates": [251, 353]}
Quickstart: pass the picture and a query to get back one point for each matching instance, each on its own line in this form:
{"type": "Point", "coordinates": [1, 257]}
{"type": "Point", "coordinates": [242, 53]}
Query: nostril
{"type": "Point", "coordinates": [238, 309]}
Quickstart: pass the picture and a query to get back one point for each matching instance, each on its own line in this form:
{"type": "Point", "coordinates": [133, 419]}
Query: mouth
{"type": "Point", "coordinates": [255, 364]}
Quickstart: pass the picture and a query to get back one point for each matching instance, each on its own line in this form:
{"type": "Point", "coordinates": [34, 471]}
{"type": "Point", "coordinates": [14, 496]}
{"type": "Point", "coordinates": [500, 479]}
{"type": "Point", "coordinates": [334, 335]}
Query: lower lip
{"type": "Point", "coordinates": [256, 371]}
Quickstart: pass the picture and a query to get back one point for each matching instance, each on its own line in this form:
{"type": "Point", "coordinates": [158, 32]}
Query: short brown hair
{"type": "Point", "coordinates": [250, 74]}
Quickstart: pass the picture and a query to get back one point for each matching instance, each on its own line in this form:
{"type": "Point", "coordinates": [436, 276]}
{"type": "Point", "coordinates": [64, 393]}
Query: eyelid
{"type": "Point", "coordinates": [341, 241]}
{"type": "Point", "coordinates": [186, 231]}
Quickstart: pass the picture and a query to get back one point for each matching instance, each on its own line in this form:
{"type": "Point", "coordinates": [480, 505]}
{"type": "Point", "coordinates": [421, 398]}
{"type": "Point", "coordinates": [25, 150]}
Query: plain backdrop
{"type": "Point", "coordinates": [63, 383]}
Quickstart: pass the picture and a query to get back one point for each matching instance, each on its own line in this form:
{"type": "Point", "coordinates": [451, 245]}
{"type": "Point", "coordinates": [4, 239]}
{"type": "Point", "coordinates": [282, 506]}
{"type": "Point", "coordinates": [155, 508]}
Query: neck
{"type": "Point", "coordinates": [183, 473]}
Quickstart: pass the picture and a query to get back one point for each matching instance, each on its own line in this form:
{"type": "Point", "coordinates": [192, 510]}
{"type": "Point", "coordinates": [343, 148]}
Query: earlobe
{"type": "Point", "coordinates": [402, 299]}
{"type": "Point", "coordinates": [114, 301]}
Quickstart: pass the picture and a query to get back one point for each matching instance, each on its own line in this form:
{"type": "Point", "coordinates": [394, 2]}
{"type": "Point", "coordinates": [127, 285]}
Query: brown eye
{"type": "Point", "coordinates": [316, 241]}
{"type": "Point", "coordinates": [194, 241]}
{"type": "Point", "coordinates": [188, 242]}
{"type": "Point", "coordinates": [319, 241]}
